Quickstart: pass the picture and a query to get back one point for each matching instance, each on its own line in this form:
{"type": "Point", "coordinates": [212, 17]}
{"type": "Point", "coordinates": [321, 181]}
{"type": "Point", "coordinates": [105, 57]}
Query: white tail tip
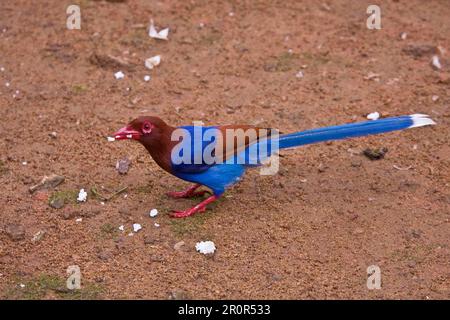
{"type": "Point", "coordinates": [420, 120]}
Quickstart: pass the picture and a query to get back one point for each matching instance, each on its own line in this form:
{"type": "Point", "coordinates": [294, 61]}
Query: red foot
{"type": "Point", "coordinates": [201, 207]}
{"type": "Point", "coordinates": [189, 193]}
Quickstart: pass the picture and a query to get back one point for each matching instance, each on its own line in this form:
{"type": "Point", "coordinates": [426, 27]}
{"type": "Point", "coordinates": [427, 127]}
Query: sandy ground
{"type": "Point", "coordinates": [308, 232]}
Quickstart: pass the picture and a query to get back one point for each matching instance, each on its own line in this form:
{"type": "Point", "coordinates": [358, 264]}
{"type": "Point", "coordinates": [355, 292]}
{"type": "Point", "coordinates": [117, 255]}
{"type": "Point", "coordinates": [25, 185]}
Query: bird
{"type": "Point", "coordinates": [220, 160]}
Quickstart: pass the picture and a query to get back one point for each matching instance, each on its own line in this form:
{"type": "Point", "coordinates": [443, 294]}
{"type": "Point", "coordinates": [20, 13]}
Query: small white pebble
{"type": "Point", "coordinates": [436, 63]}
{"type": "Point", "coordinates": [7, 84]}
{"type": "Point", "coordinates": [102, 203]}
{"type": "Point", "coordinates": [435, 98]}
{"type": "Point", "coordinates": [156, 224]}
{"type": "Point", "coordinates": [373, 116]}
{"type": "Point", "coordinates": [300, 75]}
{"type": "Point", "coordinates": [121, 228]}
{"type": "Point", "coordinates": [129, 136]}
{"type": "Point", "coordinates": [79, 220]}
{"type": "Point", "coordinates": [147, 78]}
{"type": "Point", "coordinates": [152, 62]}
{"type": "Point", "coordinates": [125, 196]}
{"type": "Point", "coordinates": [24, 163]}
{"type": "Point", "coordinates": [403, 35]}
{"type": "Point", "coordinates": [231, 14]}
{"type": "Point", "coordinates": [201, 24]}
{"type": "Point", "coordinates": [205, 247]}
{"type": "Point", "coordinates": [131, 234]}
{"type": "Point", "coordinates": [17, 92]}
{"type": "Point", "coordinates": [2, 69]}
{"type": "Point", "coordinates": [153, 33]}
{"type": "Point", "coordinates": [111, 139]}
{"type": "Point", "coordinates": [22, 285]}
{"type": "Point", "coordinates": [153, 213]}
{"type": "Point", "coordinates": [82, 196]}
{"type": "Point", "coordinates": [136, 227]}
{"type": "Point", "coordinates": [119, 75]}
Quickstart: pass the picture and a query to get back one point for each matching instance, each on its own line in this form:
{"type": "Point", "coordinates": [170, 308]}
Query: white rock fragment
{"type": "Point", "coordinates": [119, 75]}
{"type": "Point", "coordinates": [22, 285]}
{"type": "Point", "coordinates": [373, 76]}
{"type": "Point", "coordinates": [121, 228]}
{"type": "Point", "coordinates": [2, 69]}
{"type": "Point", "coordinates": [205, 247]}
{"type": "Point", "coordinates": [373, 116]}
{"type": "Point", "coordinates": [152, 62]}
{"type": "Point", "coordinates": [82, 196]}
{"type": "Point", "coordinates": [111, 139]}
{"type": "Point", "coordinates": [153, 213]}
{"type": "Point", "coordinates": [157, 224]}
{"type": "Point", "coordinates": [24, 163]}
{"type": "Point", "coordinates": [435, 98]}
{"type": "Point", "coordinates": [147, 78]}
{"type": "Point", "coordinates": [436, 63]}
{"type": "Point", "coordinates": [131, 234]}
{"type": "Point", "coordinates": [153, 33]}
{"type": "Point", "coordinates": [300, 75]}
{"type": "Point", "coordinates": [7, 84]}
{"type": "Point", "coordinates": [403, 35]}
{"type": "Point", "coordinates": [136, 227]}
{"type": "Point", "coordinates": [79, 220]}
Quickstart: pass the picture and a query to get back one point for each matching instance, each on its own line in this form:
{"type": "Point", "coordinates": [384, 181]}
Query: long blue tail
{"type": "Point", "coordinates": [352, 130]}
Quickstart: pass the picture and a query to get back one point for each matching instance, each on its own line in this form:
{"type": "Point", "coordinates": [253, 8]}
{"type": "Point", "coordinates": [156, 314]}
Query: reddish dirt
{"type": "Point", "coordinates": [310, 231]}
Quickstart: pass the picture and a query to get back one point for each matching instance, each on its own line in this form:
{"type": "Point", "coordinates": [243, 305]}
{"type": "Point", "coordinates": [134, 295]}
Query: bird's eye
{"type": "Point", "coordinates": [146, 128]}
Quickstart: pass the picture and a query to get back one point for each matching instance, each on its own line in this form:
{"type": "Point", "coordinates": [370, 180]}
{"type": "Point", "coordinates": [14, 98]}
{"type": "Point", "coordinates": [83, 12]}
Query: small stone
{"type": "Point", "coordinates": [38, 236]}
{"type": "Point", "coordinates": [435, 63]}
{"type": "Point", "coordinates": [136, 227]}
{"type": "Point", "coordinates": [57, 203]}
{"type": "Point", "coordinates": [356, 163]}
{"type": "Point", "coordinates": [358, 231]}
{"type": "Point", "coordinates": [119, 75]}
{"type": "Point", "coordinates": [179, 245]}
{"type": "Point", "coordinates": [300, 75]}
{"type": "Point", "coordinates": [373, 116]}
{"type": "Point", "coordinates": [82, 196]}
{"type": "Point", "coordinates": [104, 255]}
{"type": "Point", "coordinates": [150, 239]}
{"type": "Point", "coordinates": [153, 213]}
{"type": "Point", "coordinates": [179, 294]}
{"type": "Point", "coordinates": [375, 154]}
{"type": "Point", "coordinates": [152, 62]}
{"type": "Point", "coordinates": [48, 182]}
{"type": "Point", "coordinates": [68, 214]}
{"type": "Point", "coordinates": [411, 264]}
{"type": "Point", "coordinates": [123, 165]}
{"type": "Point", "coordinates": [15, 231]}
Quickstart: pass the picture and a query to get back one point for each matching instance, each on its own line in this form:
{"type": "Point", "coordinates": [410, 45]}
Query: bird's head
{"type": "Point", "coordinates": [144, 129]}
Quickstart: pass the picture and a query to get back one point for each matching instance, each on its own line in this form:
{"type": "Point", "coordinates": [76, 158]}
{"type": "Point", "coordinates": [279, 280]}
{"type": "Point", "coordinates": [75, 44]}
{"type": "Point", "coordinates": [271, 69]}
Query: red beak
{"type": "Point", "coordinates": [126, 133]}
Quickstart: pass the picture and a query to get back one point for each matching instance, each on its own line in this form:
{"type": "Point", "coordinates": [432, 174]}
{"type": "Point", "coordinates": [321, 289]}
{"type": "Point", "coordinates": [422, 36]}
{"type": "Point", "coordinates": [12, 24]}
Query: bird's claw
{"type": "Point", "coordinates": [186, 213]}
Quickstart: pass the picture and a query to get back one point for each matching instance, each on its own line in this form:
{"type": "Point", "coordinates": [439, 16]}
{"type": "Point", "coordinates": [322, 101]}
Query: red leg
{"type": "Point", "coordinates": [188, 193]}
{"type": "Point", "coordinates": [198, 208]}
